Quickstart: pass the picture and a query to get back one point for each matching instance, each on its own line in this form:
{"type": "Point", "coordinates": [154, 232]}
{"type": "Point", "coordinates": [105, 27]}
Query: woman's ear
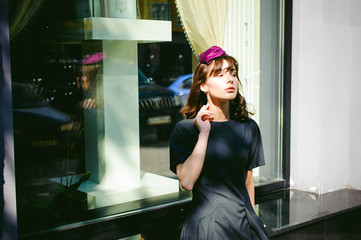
{"type": "Point", "coordinates": [204, 88]}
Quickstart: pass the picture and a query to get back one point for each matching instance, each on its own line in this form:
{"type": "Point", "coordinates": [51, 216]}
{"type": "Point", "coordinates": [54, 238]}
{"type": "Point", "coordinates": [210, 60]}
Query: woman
{"type": "Point", "coordinates": [214, 151]}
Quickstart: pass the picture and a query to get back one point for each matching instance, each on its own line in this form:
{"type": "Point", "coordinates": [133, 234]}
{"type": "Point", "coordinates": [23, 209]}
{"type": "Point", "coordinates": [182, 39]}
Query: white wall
{"type": "Point", "coordinates": [355, 119]}
{"type": "Point", "coordinates": [324, 129]}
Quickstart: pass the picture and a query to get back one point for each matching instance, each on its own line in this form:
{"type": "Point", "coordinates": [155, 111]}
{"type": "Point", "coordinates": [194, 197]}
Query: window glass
{"type": "Point", "coordinates": [187, 84]}
{"type": "Point", "coordinates": [94, 107]}
{"type": "Point", "coordinates": [268, 86]}
{"type": "Point", "coordinates": [258, 32]}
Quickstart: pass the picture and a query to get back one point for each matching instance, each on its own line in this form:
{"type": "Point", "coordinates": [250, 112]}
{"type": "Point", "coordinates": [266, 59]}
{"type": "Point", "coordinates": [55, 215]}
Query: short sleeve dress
{"type": "Point", "coordinates": [221, 208]}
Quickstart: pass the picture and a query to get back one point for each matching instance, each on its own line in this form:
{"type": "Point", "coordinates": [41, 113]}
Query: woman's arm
{"type": "Point", "coordinates": [250, 186]}
{"type": "Point", "coordinates": [189, 171]}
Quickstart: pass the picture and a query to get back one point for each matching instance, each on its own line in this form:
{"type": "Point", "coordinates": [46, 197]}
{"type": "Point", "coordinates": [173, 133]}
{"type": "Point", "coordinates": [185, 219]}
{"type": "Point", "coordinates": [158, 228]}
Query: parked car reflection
{"type": "Point", "coordinates": [182, 86]}
{"type": "Point", "coordinates": [40, 130]}
{"type": "Point", "coordinates": [159, 107]}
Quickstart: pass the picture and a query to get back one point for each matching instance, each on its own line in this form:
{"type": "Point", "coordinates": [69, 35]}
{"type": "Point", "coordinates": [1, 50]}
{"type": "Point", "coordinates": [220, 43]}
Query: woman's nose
{"type": "Point", "coordinates": [229, 79]}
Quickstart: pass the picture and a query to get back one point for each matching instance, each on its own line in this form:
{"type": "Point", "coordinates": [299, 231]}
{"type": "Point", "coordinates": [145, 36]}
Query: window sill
{"type": "Point", "coordinates": [297, 209]}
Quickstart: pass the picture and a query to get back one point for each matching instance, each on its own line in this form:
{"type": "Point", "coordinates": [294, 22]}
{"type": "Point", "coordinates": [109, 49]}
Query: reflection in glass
{"type": "Point", "coordinates": [56, 97]}
{"type": "Point", "coordinates": [56, 93]}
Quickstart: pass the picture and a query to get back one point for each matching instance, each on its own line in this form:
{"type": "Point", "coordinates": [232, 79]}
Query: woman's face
{"type": "Point", "coordinates": [85, 83]}
{"type": "Point", "coordinates": [223, 86]}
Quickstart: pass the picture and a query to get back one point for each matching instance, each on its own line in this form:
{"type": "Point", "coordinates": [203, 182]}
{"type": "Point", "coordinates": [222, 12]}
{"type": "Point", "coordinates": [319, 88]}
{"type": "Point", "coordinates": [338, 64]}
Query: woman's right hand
{"type": "Point", "coordinates": [189, 171]}
{"type": "Point", "coordinates": [202, 119]}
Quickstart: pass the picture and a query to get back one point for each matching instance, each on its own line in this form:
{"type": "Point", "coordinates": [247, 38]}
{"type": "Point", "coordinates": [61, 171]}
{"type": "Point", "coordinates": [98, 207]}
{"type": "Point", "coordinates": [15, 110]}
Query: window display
{"type": "Point", "coordinates": [97, 90]}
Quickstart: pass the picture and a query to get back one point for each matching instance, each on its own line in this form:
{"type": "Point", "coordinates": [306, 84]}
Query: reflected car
{"type": "Point", "coordinates": [40, 130]}
{"type": "Point", "coordinates": [182, 86]}
{"type": "Point", "coordinates": [159, 107]}
{"type": "Point", "coordinates": [35, 115]}
{"type": "Point", "coordinates": [166, 76]}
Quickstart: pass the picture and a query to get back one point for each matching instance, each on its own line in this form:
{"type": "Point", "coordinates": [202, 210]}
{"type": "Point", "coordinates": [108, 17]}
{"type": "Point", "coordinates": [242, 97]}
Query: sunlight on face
{"type": "Point", "coordinates": [223, 86]}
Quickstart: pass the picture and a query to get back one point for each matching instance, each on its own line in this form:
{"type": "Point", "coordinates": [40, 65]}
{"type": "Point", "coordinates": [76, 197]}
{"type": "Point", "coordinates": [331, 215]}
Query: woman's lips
{"type": "Point", "coordinates": [230, 89]}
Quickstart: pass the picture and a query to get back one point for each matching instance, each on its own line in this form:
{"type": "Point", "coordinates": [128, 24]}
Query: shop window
{"type": "Point", "coordinates": [95, 101]}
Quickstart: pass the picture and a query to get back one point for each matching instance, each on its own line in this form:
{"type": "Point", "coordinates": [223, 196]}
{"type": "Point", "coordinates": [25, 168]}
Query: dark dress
{"type": "Point", "coordinates": [221, 208]}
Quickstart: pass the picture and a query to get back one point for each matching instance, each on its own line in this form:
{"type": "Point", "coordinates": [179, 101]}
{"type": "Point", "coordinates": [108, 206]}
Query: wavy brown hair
{"type": "Point", "coordinates": [197, 98]}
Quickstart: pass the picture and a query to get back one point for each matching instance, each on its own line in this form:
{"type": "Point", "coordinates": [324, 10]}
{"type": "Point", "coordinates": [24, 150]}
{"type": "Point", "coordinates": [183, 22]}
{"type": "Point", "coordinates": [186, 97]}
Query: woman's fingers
{"type": "Point", "coordinates": [203, 117]}
{"type": "Point", "coordinates": [204, 108]}
{"type": "Point", "coordinates": [204, 111]}
{"type": "Point", "coordinates": [206, 115]}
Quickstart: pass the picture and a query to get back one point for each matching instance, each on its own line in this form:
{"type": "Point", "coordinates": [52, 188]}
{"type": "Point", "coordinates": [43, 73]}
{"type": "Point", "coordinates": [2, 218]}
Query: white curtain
{"type": "Point", "coordinates": [242, 41]}
{"type": "Point", "coordinates": [203, 22]}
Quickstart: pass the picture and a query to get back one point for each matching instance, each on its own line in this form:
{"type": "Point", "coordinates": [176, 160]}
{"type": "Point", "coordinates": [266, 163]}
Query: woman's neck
{"type": "Point", "coordinates": [220, 111]}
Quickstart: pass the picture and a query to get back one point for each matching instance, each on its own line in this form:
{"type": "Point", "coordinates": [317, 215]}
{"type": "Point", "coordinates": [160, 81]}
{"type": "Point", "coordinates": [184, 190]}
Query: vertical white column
{"type": "Point", "coordinates": [112, 133]}
{"type": "Point", "coordinates": [94, 133]}
{"type": "Point", "coordinates": [121, 116]}
{"type": "Point", "coordinates": [112, 142]}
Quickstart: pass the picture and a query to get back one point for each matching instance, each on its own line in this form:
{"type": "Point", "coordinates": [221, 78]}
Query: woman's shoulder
{"type": "Point", "coordinates": [248, 123]}
{"type": "Point", "coordinates": [185, 128]}
{"type": "Point", "coordinates": [253, 123]}
{"type": "Point", "coordinates": [185, 125]}
{"type": "Point", "coordinates": [253, 126]}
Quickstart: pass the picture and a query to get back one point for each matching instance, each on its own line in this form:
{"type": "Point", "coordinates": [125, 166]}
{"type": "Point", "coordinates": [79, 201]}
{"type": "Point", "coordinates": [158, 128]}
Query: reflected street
{"type": "Point", "coordinates": [154, 154]}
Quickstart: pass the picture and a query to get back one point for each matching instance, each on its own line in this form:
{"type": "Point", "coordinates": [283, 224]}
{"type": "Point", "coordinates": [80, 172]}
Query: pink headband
{"type": "Point", "coordinates": [207, 56]}
{"type": "Point", "coordinates": [94, 58]}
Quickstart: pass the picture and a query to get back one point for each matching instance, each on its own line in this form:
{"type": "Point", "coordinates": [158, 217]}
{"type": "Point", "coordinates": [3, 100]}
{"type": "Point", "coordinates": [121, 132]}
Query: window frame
{"type": "Point", "coordinates": [171, 213]}
{"type": "Point", "coordinates": [284, 183]}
